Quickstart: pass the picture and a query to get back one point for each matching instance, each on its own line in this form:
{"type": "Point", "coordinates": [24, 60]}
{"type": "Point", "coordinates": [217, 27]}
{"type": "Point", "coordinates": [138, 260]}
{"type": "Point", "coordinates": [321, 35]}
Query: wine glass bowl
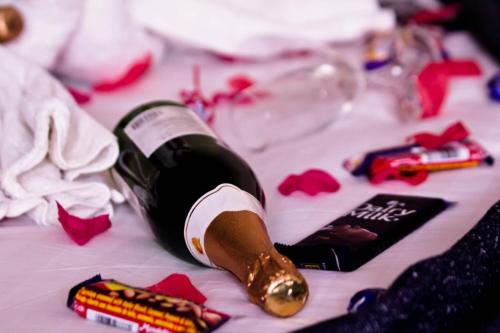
{"type": "Point", "coordinates": [294, 104]}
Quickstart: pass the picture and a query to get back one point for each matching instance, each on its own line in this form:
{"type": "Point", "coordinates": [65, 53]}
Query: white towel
{"type": "Point", "coordinates": [50, 149]}
{"type": "Point", "coordinates": [85, 41]}
{"type": "Point", "coordinates": [261, 28]}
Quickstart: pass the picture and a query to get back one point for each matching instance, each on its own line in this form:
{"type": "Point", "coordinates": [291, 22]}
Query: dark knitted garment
{"type": "Point", "coordinates": [457, 291]}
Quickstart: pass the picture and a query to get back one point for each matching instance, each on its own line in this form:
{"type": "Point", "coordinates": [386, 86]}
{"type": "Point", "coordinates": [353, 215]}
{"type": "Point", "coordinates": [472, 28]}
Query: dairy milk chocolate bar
{"type": "Point", "coordinates": [362, 233]}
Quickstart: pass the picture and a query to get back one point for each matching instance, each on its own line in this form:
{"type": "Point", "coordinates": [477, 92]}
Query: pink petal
{"type": "Point", "coordinates": [178, 285]}
{"type": "Point", "coordinates": [463, 67]}
{"type": "Point", "coordinates": [239, 82]}
{"type": "Point", "coordinates": [455, 132]}
{"type": "Point", "coordinates": [311, 182]}
{"type": "Point", "coordinates": [382, 170]}
{"type": "Point", "coordinates": [442, 14]}
{"type": "Point", "coordinates": [82, 230]}
{"type": "Point", "coordinates": [432, 87]}
{"type": "Point", "coordinates": [79, 96]}
{"type": "Point", "coordinates": [432, 82]}
{"type": "Point", "coordinates": [135, 71]}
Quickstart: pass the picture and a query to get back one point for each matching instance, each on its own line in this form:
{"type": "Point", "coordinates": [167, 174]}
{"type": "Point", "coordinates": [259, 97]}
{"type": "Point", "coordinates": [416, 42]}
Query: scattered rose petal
{"type": "Point", "coordinates": [382, 170]}
{"type": "Point", "coordinates": [463, 67]}
{"type": "Point", "coordinates": [178, 285]}
{"type": "Point", "coordinates": [240, 82]}
{"type": "Point", "coordinates": [311, 182]}
{"type": "Point", "coordinates": [236, 84]}
{"type": "Point", "coordinates": [82, 230]}
{"type": "Point", "coordinates": [79, 96]}
{"type": "Point", "coordinates": [442, 14]}
{"type": "Point", "coordinates": [227, 58]}
{"type": "Point", "coordinates": [205, 106]}
{"type": "Point", "coordinates": [432, 87]}
{"type": "Point", "coordinates": [454, 132]}
{"type": "Point", "coordinates": [432, 82]}
{"type": "Point", "coordinates": [135, 71]}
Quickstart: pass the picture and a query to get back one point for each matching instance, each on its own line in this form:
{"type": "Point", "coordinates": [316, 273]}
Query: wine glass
{"type": "Point", "coordinates": [296, 103]}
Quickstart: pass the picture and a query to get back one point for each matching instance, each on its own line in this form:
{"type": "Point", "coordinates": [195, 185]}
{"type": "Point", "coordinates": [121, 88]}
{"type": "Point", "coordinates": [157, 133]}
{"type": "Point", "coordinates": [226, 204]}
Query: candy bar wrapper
{"type": "Point", "coordinates": [356, 237]}
{"type": "Point", "coordinates": [459, 154]}
{"type": "Point", "coordinates": [138, 310]}
{"type": "Point", "coordinates": [361, 165]}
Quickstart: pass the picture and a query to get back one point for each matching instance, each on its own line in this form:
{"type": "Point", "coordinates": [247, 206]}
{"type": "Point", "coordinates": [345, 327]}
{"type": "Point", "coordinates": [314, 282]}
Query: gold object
{"type": "Point", "coordinates": [11, 23]}
{"type": "Point", "coordinates": [238, 242]}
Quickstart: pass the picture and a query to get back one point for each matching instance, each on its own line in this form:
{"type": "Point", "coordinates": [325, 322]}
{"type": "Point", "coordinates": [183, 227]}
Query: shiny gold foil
{"type": "Point", "coordinates": [238, 242]}
{"type": "Point", "coordinates": [11, 24]}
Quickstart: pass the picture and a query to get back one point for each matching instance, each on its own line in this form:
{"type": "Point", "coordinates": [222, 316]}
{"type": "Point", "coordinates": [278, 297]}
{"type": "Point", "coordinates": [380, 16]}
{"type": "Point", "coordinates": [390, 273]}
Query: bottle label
{"type": "Point", "coordinates": [224, 198]}
{"type": "Point", "coordinates": [152, 128]}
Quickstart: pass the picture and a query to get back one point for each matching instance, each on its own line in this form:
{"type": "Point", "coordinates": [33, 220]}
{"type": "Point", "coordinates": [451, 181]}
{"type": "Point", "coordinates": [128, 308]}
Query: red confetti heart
{"type": "Point", "coordinates": [178, 285]}
{"type": "Point", "coordinates": [311, 182]}
{"type": "Point", "coordinates": [82, 230]}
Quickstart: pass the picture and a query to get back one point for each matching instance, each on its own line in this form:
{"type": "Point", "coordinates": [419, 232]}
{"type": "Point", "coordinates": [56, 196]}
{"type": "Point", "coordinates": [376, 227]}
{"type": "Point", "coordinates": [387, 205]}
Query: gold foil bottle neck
{"type": "Point", "coordinates": [238, 242]}
{"type": "Point", "coordinates": [274, 283]}
{"type": "Point", "coordinates": [11, 24]}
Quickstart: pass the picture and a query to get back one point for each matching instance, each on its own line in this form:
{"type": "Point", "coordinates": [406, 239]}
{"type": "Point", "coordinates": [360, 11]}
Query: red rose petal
{"type": "Point", "coordinates": [442, 14]}
{"type": "Point", "coordinates": [382, 170]}
{"type": "Point", "coordinates": [82, 230]}
{"type": "Point", "coordinates": [79, 96]}
{"type": "Point", "coordinates": [454, 132]}
{"type": "Point", "coordinates": [135, 71]}
{"type": "Point", "coordinates": [432, 87]}
{"type": "Point", "coordinates": [178, 285]}
{"type": "Point", "coordinates": [432, 82]}
{"type": "Point", "coordinates": [463, 67]}
{"type": "Point", "coordinates": [311, 182]}
{"type": "Point", "coordinates": [240, 82]}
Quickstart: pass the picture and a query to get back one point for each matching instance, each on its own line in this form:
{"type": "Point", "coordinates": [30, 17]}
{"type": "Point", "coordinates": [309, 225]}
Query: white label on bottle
{"type": "Point", "coordinates": [224, 198]}
{"type": "Point", "coordinates": [152, 128]}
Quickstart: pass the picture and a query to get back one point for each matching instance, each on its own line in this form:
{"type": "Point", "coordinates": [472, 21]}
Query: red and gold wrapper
{"type": "Point", "coordinates": [455, 155]}
{"type": "Point", "coordinates": [138, 310]}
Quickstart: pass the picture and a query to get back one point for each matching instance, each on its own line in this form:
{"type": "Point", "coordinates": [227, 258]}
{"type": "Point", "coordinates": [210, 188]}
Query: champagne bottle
{"type": "Point", "coordinates": [203, 202]}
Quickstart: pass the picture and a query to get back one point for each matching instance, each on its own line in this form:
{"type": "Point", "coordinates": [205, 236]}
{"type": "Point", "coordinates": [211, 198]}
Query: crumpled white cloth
{"type": "Point", "coordinates": [50, 149]}
{"type": "Point", "coordinates": [261, 28]}
{"type": "Point", "coordinates": [85, 41]}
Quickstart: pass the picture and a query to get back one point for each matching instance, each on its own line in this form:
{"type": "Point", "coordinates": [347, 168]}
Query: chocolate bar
{"type": "Point", "coordinates": [460, 154]}
{"type": "Point", "coordinates": [409, 158]}
{"type": "Point", "coordinates": [138, 310]}
{"type": "Point", "coordinates": [356, 237]}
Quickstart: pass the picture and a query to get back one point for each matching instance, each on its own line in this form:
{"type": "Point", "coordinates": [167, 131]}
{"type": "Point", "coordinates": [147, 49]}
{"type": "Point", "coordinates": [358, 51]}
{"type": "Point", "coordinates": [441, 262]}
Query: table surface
{"type": "Point", "coordinates": [40, 264]}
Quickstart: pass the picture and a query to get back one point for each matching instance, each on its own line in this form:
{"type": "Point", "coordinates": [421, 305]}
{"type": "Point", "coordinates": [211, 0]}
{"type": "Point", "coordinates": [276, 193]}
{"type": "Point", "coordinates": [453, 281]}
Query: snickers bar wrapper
{"type": "Point", "coordinates": [358, 236]}
{"type": "Point", "coordinates": [138, 310]}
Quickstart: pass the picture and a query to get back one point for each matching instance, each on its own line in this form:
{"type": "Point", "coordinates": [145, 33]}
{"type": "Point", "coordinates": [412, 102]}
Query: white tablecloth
{"type": "Point", "coordinates": [40, 264]}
